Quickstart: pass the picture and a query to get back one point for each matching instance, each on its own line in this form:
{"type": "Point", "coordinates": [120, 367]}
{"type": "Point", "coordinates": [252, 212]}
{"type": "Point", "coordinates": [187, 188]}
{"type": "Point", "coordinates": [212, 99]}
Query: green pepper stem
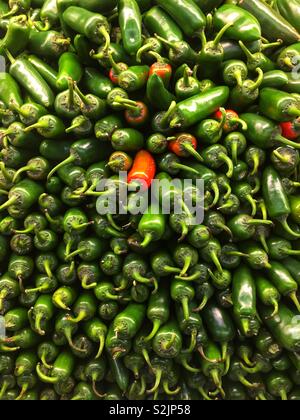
{"type": "Point", "coordinates": [202, 304]}
{"type": "Point", "coordinates": [106, 36]}
{"type": "Point", "coordinates": [286, 227]}
{"type": "Point", "coordinates": [186, 77]}
{"type": "Point", "coordinates": [185, 308]}
{"type": "Point", "coordinates": [22, 392]}
{"type": "Point", "coordinates": [8, 349]}
{"type": "Point", "coordinates": [258, 81]}
{"type": "Point", "coordinates": [229, 163]}
{"type": "Point", "coordinates": [252, 203]}
{"type": "Point", "coordinates": [186, 266]}
{"type": "Point", "coordinates": [294, 299]}
{"type": "Point", "coordinates": [8, 203]}
{"type": "Point", "coordinates": [193, 277]}
{"type": "Point", "coordinates": [283, 395]}
{"type": "Point", "coordinates": [73, 127]}
{"type": "Point", "coordinates": [85, 285]}
{"type": "Point", "coordinates": [44, 361]}
{"type": "Point", "coordinates": [38, 319]}
{"type": "Point", "coordinates": [11, 12]}
{"type": "Point", "coordinates": [168, 114]}
{"type": "Point", "coordinates": [293, 111]}
{"type": "Point", "coordinates": [169, 44]}
{"type": "Point", "coordinates": [246, 383]}
{"type": "Point", "coordinates": [252, 370]}
{"type": "Point", "coordinates": [47, 268]}
{"type": "Point", "coordinates": [221, 33]}
{"type": "Point", "coordinates": [145, 48]}
{"type": "Point", "coordinates": [215, 375]}
{"type": "Point", "coordinates": [65, 162]}
{"type": "Point", "coordinates": [260, 222]}
{"type": "Point", "coordinates": [189, 148]}
{"type": "Point", "coordinates": [283, 140]}
{"type": "Point", "coordinates": [156, 327]}
{"type": "Point", "coordinates": [44, 26]}
{"type": "Point", "coordinates": [216, 191]}
{"type": "Point", "coordinates": [238, 77]}
{"type": "Point", "coordinates": [204, 394]}
{"type": "Point", "coordinates": [96, 392]}
{"type": "Point", "coordinates": [68, 335]}
{"type": "Point", "coordinates": [57, 300]}
{"type": "Point", "coordinates": [45, 378]}
{"type": "Point", "coordinates": [5, 172]}
{"type": "Point", "coordinates": [241, 122]}
{"type": "Point", "coordinates": [80, 317]}
{"type": "Point", "coordinates": [168, 391]}
{"type": "Point", "coordinates": [158, 376]}
{"type": "Point", "coordinates": [216, 261]}
{"type": "Point", "coordinates": [9, 56]}
{"type": "Point", "coordinates": [147, 358]}
{"type": "Point", "coordinates": [147, 240]}
{"type": "Point", "coordinates": [193, 342]}
{"type": "Point", "coordinates": [3, 389]}
{"type": "Point", "coordinates": [246, 51]}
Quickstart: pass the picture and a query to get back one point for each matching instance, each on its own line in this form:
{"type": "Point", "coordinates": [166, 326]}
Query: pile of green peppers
{"type": "Point", "coordinates": [149, 306]}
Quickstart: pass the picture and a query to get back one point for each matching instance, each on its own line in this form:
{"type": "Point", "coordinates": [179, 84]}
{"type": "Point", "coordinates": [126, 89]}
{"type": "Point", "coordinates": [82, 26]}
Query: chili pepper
{"type": "Point", "coordinates": [244, 299]}
{"type": "Point", "coordinates": [42, 311]}
{"type": "Point", "coordinates": [48, 126]}
{"type": "Point", "coordinates": [160, 23]}
{"type": "Point", "coordinates": [183, 12]}
{"type": "Point", "coordinates": [138, 117]}
{"type": "Point", "coordinates": [49, 13]}
{"type": "Point", "coordinates": [258, 59]}
{"type": "Point", "coordinates": [17, 28]}
{"type": "Point", "coordinates": [48, 44]}
{"type": "Point", "coordinates": [30, 113]}
{"type": "Point", "coordinates": [245, 26]}
{"type": "Point", "coordinates": [134, 78]}
{"type": "Point", "coordinates": [93, 25]}
{"type": "Point", "coordinates": [215, 156]}
{"type": "Point", "coordinates": [283, 106]}
{"type": "Point", "coordinates": [161, 67]}
{"type": "Point", "coordinates": [155, 86]}
{"type": "Point", "coordinates": [279, 385]}
{"type": "Point", "coordinates": [290, 129]}
{"type": "Point", "coordinates": [46, 71]}
{"type": "Point", "coordinates": [214, 99]}
{"type": "Point", "coordinates": [9, 289]}
{"type": "Point", "coordinates": [209, 130]}
{"type": "Point", "coordinates": [105, 127]}
{"type": "Point", "coordinates": [108, 310]}
{"type": "Point", "coordinates": [61, 371]}
{"type": "Point", "coordinates": [275, 79]}
{"type": "Point", "coordinates": [235, 144]}
{"type": "Point", "coordinates": [243, 226]}
{"type": "Point", "coordinates": [20, 244]}
{"type": "Point", "coordinates": [232, 121]}
{"type": "Point", "coordinates": [167, 342]}
{"type": "Point", "coordinates": [28, 77]}
{"type": "Point", "coordinates": [16, 319]}
{"type": "Point", "coordinates": [275, 198]}
{"type": "Point", "coordinates": [289, 10]}
{"type": "Point", "coordinates": [130, 22]}
{"type": "Point", "coordinates": [116, 346]}
{"type": "Point", "coordinates": [271, 132]}
{"type": "Point", "coordinates": [212, 369]}
{"type": "Point", "coordinates": [220, 326]}
{"type": "Point", "coordinates": [273, 25]}
{"type": "Point", "coordinates": [282, 364]}
{"type": "Point", "coordinates": [280, 248]}
{"type": "Point", "coordinates": [187, 86]}
{"type": "Point", "coordinates": [179, 51]}
{"type": "Point", "coordinates": [96, 83]}
{"type": "Point", "coordinates": [283, 281]}
{"type": "Point", "coordinates": [64, 297]}
{"type": "Point", "coordinates": [244, 95]}
{"type": "Point", "coordinates": [234, 72]}
{"type": "Point", "coordinates": [127, 140]}
{"type": "Point", "coordinates": [69, 67]}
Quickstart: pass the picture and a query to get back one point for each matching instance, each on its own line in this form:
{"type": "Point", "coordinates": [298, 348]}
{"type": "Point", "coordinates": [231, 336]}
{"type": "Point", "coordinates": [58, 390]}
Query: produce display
{"type": "Point", "coordinates": [150, 306]}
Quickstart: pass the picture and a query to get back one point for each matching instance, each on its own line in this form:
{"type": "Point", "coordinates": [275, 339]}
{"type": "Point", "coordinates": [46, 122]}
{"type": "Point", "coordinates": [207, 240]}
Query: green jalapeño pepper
{"type": "Point", "coordinates": [278, 105]}
{"type": "Point", "coordinates": [197, 108]}
{"type": "Point", "coordinates": [244, 300]}
{"type": "Point", "coordinates": [93, 25]}
{"type": "Point", "coordinates": [159, 22]}
{"type": "Point", "coordinates": [130, 21]}
{"type": "Point", "coordinates": [186, 14]}
{"type": "Point", "coordinates": [245, 26]}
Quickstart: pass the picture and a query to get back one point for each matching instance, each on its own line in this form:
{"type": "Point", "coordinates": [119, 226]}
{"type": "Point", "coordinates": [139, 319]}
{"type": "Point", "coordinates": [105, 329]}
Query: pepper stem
{"type": "Point", "coordinates": [238, 77]}
{"type": "Point", "coordinates": [65, 162]}
{"type": "Point", "coordinates": [295, 300]}
{"type": "Point", "coordinates": [193, 341]}
{"type": "Point", "coordinates": [283, 140]}
{"type": "Point", "coordinates": [185, 308]}
{"type": "Point", "coordinates": [215, 188]}
{"type": "Point", "coordinates": [44, 361]}
{"type": "Point", "coordinates": [145, 48]}
{"type": "Point", "coordinates": [283, 395]}
{"type": "Point", "coordinates": [168, 390]}
{"type": "Point", "coordinates": [204, 394]}
{"type": "Point", "coordinates": [221, 33]}
{"type": "Point", "coordinates": [166, 42]}
{"type": "Point", "coordinates": [146, 357]}
{"type": "Point", "coordinates": [80, 317]}
{"type": "Point", "coordinates": [22, 392]}
{"type": "Point", "coordinates": [293, 111]}
{"type": "Point", "coordinates": [229, 163]}
{"type": "Point", "coordinates": [3, 389]}
{"type": "Point", "coordinates": [186, 266]}
{"type": "Point", "coordinates": [45, 378]}
{"type": "Point", "coordinates": [188, 147]}
{"type": "Point", "coordinates": [252, 202]}
{"type": "Point", "coordinates": [38, 319]}
{"type": "Point", "coordinates": [182, 167]}
{"type": "Point", "coordinates": [216, 261]}
{"type": "Point", "coordinates": [158, 376]}
{"type": "Point", "coordinates": [287, 228]}
{"type": "Point", "coordinates": [156, 327]}
{"type": "Point", "coordinates": [106, 36]}
{"type": "Point", "coordinates": [246, 51]}
{"type": "Point", "coordinates": [85, 285]}
{"type": "Point", "coordinates": [259, 80]}
{"type": "Point", "coordinates": [147, 240]}
{"type": "Point", "coordinates": [168, 114]}
{"type": "Point", "coordinates": [101, 345]}
{"type": "Point", "coordinates": [59, 302]}
{"type": "Point", "coordinates": [8, 203]}
{"type": "Point", "coordinates": [202, 304]}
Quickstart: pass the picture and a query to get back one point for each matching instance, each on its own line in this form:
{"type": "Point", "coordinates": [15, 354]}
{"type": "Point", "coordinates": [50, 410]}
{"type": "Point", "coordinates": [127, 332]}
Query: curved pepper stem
{"type": "Point", "coordinates": [8, 203]}
{"type": "Point", "coordinates": [44, 361]}
{"type": "Point", "coordinates": [65, 162]}
{"type": "Point", "coordinates": [286, 226]}
{"type": "Point", "coordinates": [156, 327]}
{"type": "Point", "coordinates": [258, 81]}
{"type": "Point", "coordinates": [168, 391]}
{"type": "Point", "coordinates": [106, 36]}
{"type": "Point", "coordinates": [294, 299]}
{"type": "Point", "coordinates": [220, 34]}
{"type": "Point", "coordinates": [158, 376]}
{"type": "Point", "coordinates": [246, 51]}
{"type": "Point", "coordinates": [44, 377]}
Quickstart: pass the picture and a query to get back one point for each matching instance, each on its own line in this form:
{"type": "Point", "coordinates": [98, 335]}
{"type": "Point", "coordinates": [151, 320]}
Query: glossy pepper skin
{"type": "Point", "coordinates": [158, 22]}
{"type": "Point", "coordinates": [130, 21]}
{"type": "Point", "coordinates": [273, 25]}
{"type": "Point", "coordinates": [183, 11]}
{"type": "Point", "coordinates": [192, 110]}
